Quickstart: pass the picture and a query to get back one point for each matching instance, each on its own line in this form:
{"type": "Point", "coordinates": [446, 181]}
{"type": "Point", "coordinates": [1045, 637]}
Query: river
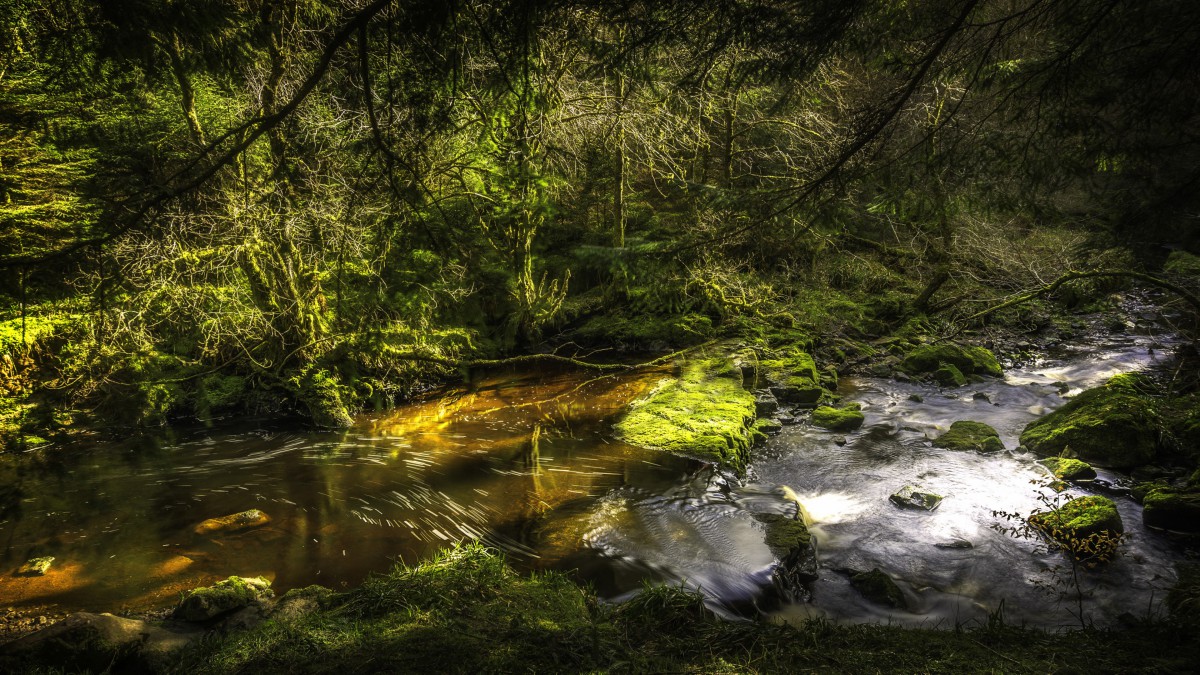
{"type": "Point", "coordinates": [527, 463]}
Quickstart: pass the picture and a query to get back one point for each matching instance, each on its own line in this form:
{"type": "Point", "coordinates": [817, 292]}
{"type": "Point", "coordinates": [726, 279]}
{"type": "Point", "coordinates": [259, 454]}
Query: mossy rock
{"type": "Point", "coordinates": [1114, 425]}
{"type": "Point", "coordinates": [793, 377]}
{"type": "Point", "coordinates": [949, 376]}
{"type": "Point", "coordinates": [912, 497]}
{"type": "Point", "coordinates": [879, 588]}
{"type": "Point", "coordinates": [236, 522]}
{"type": "Point", "coordinates": [704, 413]}
{"type": "Point", "coordinates": [968, 435]}
{"type": "Point", "coordinates": [967, 360]}
{"type": "Point", "coordinates": [36, 567]}
{"type": "Point", "coordinates": [202, 604]}
{"type": "Point", "coordinates": [848, 418]}
{"type": "Point", "coordinates": [1175, 510]}
{"type": "Point", "coordinates": [767, 426]}
{"type": "Point", "coordinates": [1086, 527]}
{"type": "Point", "coordinates": [1065, 468]}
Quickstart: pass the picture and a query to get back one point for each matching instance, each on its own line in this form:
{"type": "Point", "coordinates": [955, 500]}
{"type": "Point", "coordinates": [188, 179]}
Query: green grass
{"type": "Point", "coordinates": [467, 611]}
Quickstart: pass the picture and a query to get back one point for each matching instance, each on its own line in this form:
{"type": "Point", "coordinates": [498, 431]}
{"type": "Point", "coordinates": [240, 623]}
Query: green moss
{"type": "Point", "coordinates": [967, 435]}
{"type": "Point", "coordinates": [968, 360]}
{"type": "Point", "coordinates": [879, 588]}
{"type": "Point", "coordinates": [323, 396]}
{"type": "Point", "coordinates": [1085, 526]}
{"type": "Point", "coordinates": [704, 413]}
{"type": "Point", "coordinates": [1065, 468]}
{"type": "Point", "coordinates": [1114, 425]}
{"type": "Point", "coordinates": [838, 419]}
{"type": "Point", "coordinates": [216, 392]}
{"type": "Point", "coordinates": [647, 330]}
{"type": "Point", "coordinates": [222, 597]}
{"type": "Point", "coordinates": [1170, 509]}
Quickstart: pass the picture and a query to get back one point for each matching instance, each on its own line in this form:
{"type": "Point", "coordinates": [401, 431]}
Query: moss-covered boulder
{"type": "Point", "coordinates": [1170, 509]}
{"type": "Point", "coordinates": [1086, 527]}
{"type": "Point", "coordinates": [847, 418]}
{"type": "Point", "coordinates": [1065, 468]}
{"type": "Point", "coordinates": [915, 498]}
{"type": "Point", "coordinates": [792, 377]}
{"type": "Point", "coordinates": [879, 588]}
{"type": "Point", "coordinates": [966, 360]}
{"type": "Point", "coordinates": [949, 376]}
{"type": "Point", "coordinates": [704, 413]}
{"type": "Point", "coordinates": [202, 604]}
{"type": "Point", "coordinates": [1114, 425]}
{"type": "Point", "coordinates": [968, 435]}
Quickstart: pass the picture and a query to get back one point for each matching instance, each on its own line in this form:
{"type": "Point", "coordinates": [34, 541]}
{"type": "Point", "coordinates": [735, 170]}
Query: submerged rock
{"type": "Point", "coordinates": [1065, 468]}
{"type": "Point", "coordinates": [848, 418]}
{"type": "Point", "coordinates": [879, 588]}
{"type": "Point", "coordinates": [704, 413]}
{"type": "Point", "coordinates": [967, 435]}
{"type": "Point", "coordinates": [233, 523]}
{"type": "Point", "coordinates": [36, 567]}
{"type": "Point", "coordinates": [1170, 509]}
{"type": "Point", "coordinates": [234, 593]}
{"type": "Point", "coordinates": [1113, 425]}
{"type": "Point", "coordinates": [1086, 527]}
{"type": "Point", "coordinates": [913, 497]}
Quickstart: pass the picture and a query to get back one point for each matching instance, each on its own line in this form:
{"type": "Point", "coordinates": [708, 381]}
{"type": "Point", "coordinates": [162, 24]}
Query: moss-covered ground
{"type": "Point", "coordinates": [468, 612]}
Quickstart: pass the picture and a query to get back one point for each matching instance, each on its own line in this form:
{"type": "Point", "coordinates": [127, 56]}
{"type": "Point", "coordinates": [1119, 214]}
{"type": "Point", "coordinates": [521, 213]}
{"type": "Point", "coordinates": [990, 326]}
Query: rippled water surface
{"type": "Point", "coordinates": [529, 465]}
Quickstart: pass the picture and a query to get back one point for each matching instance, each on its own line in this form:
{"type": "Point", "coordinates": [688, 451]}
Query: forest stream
{"type": "Point", "coordinates": [528, 464]}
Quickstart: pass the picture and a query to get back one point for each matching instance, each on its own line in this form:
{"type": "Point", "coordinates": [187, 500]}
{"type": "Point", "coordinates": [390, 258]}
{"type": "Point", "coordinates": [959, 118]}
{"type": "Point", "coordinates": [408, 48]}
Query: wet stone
{"type": "Point", "coordinates": [765, 403]}
{"type": "Point", "coordinates": [912, 497]}
{"type": "Point", "coordinates": [839, 440]}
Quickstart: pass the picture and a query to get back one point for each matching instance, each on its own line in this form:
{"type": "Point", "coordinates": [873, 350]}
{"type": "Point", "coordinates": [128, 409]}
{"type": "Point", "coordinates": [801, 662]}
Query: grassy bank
{"type": "Point", "coordinates": [467, 611]}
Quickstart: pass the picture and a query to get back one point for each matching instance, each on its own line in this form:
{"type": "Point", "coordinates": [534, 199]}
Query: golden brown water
{"type": "Point", "coordinates": [510, 462]}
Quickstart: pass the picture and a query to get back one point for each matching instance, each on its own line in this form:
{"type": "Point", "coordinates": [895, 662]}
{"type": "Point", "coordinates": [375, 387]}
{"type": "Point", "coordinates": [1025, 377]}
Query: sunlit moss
{"type": "Point", "coordinates": [703, 413]}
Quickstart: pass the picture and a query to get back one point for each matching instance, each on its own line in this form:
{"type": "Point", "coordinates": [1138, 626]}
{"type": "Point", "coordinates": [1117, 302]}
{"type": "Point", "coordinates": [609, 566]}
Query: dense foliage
{"type": "Point", "coordinates": [256, 205]}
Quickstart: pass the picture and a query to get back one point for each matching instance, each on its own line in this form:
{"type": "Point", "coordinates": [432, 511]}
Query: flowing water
{"type": "Point", "coordinates": [528, 464]}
